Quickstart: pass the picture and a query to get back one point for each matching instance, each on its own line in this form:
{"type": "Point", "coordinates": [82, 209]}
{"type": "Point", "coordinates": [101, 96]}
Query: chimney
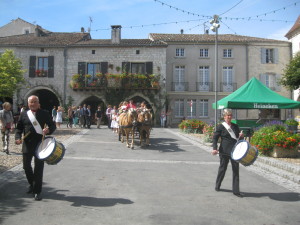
{"type": "Point", "coordinates": [38, 31]}
{"type": "Point", "coordinates": [181, 31]}
{"type": "Point", "coordinates": [116, 34]}
{"type": "Point", "coordinates": [82, 29]}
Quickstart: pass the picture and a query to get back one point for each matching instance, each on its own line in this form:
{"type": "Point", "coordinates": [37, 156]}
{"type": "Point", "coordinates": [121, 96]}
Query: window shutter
{"type": "Point", "coordinates": [263, 56]}
{"type": "Point", "coordinates": [81, 68]}
{"type": "Point", "coordinates": [32, 62]}
{"type": "Point", "coordinates": [149, 67]}
{"type": "Point", "coordinates": [104, 67]}
{"type": "Point", "coordinates": [126, 67]}
{"type": "Point", "coordinates": [262, 78]}
{"type": "Point", "coordinates": [277, 85]}
{"type": "Point", "coordinates": [51, 66]}
{"type": "Point", "coordinates": [276, 56]}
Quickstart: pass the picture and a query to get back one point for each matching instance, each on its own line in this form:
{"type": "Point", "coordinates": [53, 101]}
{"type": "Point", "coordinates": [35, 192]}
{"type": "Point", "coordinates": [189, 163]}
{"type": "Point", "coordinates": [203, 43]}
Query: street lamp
{"type": "Point", "coordinates": [215, 26]}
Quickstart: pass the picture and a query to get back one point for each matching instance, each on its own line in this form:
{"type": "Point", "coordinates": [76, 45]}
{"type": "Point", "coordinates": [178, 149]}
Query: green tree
{"type": "Point", "coordinates": [11, 74]}
{"type": "Point", "coordinates": [291, 76]}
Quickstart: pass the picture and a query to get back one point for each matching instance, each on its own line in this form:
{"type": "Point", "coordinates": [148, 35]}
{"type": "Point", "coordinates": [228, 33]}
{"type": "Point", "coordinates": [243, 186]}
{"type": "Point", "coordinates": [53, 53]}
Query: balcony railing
{"type": "Point", "coordinates": [180, 86]}
{"type": "Point", "coordinates": [114, 81]}
{"type": "Point", "coordinates": [228, 87]}
{"type": "Point", "coordinates": [204, 86]}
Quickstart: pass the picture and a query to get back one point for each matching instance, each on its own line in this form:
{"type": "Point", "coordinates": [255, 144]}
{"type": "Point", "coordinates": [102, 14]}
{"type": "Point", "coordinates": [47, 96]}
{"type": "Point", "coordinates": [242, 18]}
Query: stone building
{"type": "Point", "coordinates": [53, 59]}
{"type": "Point", "coordinates": [68, 69]}
{"type": "Point", "coordinates": [191, 71]}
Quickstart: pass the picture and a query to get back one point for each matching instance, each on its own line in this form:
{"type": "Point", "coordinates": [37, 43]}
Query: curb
{"type": "Point", "coordinates": [275, 168]}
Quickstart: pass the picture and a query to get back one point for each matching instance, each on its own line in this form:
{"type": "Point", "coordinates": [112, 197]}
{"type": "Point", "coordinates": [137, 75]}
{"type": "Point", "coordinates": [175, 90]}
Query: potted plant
{"type": "Point", "coordinates": [275, 141]}
{"type": "Point", "coordinates": [292, 125]}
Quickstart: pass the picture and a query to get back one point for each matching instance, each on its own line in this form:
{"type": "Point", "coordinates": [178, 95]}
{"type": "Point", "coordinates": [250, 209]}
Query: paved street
{"type": "Point", "coordinates": [101, 181]}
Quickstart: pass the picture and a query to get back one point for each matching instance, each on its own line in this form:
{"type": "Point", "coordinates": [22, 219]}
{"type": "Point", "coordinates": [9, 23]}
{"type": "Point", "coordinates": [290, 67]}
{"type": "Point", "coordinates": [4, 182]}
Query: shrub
{"type": "Point", "coordinates": [192, 126]}
{"type": "Point", "coordinates": [291, 122]}
{"type": "Point", "coordinates": [276, 135]}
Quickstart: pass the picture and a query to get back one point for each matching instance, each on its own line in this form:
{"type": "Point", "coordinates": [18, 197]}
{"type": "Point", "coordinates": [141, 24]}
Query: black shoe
{"type": "Point", "coordinates": [238, 195]}
{"type": "Point", "coordinates": [7, 152]}
{"type": "Point", "coordinates": [30, 190]}
{"type": "Point", "coordinates": [217, 189]}
{"type": "Point", "coordinates": [37, 197]}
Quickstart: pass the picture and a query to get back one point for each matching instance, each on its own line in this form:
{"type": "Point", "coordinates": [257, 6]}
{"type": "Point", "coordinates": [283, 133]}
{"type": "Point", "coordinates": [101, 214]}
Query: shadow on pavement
{"type": "Point", "coordinates": [162, 145]}
{"type": "Point", "coordinates": [78, 201]}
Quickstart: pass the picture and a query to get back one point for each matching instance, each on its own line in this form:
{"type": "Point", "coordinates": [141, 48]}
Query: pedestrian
{"type": "Point", "coordinates": [83, 116]}
{"type": "Point", "coordinates": [229, 134]}
{"type": "Point", "coordinates": [169, 117]}
{"type": "Point", "coordinates": [34, 124]}
{"type": "Point", "coordinates": [59, 116]}
{"type": "Point", "coordinates": [98, 116]}
{"type": "Point", "coordinates": [108, 115]}
{"type": "Point", "coordinates": [54, 113]}
{"type": "Point", "coordinates": [114, 122]}
{"type": "Point", "coordinates": [6, 125]}
{"type": "Point", "coordinates": [88, 117]}
{"type": "Point", "coordinates": [76, 113]}
{"type": "Point", "coordinates": [162, 118]}
{"type": "Point", "coordinates": [70, 117]}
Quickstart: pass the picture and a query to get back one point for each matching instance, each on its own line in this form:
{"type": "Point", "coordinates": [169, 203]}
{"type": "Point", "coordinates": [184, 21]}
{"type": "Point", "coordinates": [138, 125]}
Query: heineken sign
{"type": "Point", "coordinates": [264, 106]}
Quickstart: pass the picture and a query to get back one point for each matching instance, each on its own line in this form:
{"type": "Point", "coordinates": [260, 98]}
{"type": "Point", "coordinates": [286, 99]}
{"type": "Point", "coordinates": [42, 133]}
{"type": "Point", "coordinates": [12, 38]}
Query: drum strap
{"type": "Point", "coordinates": [34, 122]}
{"type": "Point", "coordinates": [230, 131]}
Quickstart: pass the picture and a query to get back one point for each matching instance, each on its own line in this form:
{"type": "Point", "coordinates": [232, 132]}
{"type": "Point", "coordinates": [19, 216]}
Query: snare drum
{"type": "Point", "coordinates": [244, 153]}
{"type": "Point", "coordinates": [50, 151]}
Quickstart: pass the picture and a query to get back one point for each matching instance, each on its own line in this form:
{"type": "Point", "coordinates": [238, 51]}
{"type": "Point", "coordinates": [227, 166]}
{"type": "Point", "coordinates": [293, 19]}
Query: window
{"type": "Point", "coordinates": [179, 52]}
{"type": "Point", "coordinates": [42, 67]}
{"type": "Point", "coordinates": [93, 69]}
{"type": "Point", "coordinates": [179, 108]}
{"type": "Point", "coordinates": [191, 108]}
{"type": "Point", "coordinates": [203, 108]}
{"type": "Point", "coordinates": [269, 55]}
{"type": "Point", "coordinates": [203, 78]}
{"type": "Point", "coordinates": [270, 80]}
{"type": "Point", "coordinates": [227, 78]}
{"type": "Point", "coordinates": [138, 68]}
{"type": "Point", "coordinates": [179, 84]}
{"type": "Point", "coordinates": [93, 52]}
{"type": "Point", "coordinates": [137, 52]}
{"type": "Point", "coordinates": [227, 53]}
{"type": "Point", "coordinates": [204, 53]}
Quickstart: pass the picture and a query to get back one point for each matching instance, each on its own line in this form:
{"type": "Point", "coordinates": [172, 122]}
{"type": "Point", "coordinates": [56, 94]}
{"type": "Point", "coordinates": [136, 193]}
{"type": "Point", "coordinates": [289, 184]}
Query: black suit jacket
{"type": "Point", "coordinates": [227, 142]}
{"type": "Point", "coordinates": [24, 126]}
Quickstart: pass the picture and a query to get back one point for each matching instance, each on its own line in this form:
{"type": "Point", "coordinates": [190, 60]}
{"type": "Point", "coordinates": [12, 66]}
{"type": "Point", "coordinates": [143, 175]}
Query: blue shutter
{"type": "Point", "coordinates": [276, 56]}
{"type": "Point", "coordinates": [263, 56]}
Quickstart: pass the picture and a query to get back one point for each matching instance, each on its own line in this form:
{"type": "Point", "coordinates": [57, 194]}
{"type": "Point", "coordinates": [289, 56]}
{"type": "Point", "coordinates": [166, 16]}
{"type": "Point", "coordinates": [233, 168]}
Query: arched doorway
{"type": "Point", "coordinates": [47, 99]}
{"type": "Point", "coordinates": [139, 100]}
{"type": "Point", "coordinates": [94, 102]}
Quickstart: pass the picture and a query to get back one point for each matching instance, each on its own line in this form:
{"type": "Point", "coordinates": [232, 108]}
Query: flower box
{"type": "Point", "coordinates": [281, 152]}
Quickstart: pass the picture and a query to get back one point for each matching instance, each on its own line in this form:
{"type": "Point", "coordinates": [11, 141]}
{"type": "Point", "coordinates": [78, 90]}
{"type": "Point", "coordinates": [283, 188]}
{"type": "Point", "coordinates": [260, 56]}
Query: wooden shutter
{"type": "Point", "coordinates": [32, 62]}
{"type": "Point", "coordinates": [81, 68]}
{"type": "Point", "coordinates": [51, 66]}
{"type": "Point", "coordinates": [149, 67]}
{"type": "Point", "coordinates": [263, 55]}
{"type": "Point", "coordinates": [104, 67]}
{"type": "Point", "coordinates": [126, 67]}
{"type": "Point", "coordinates": [276, 56]}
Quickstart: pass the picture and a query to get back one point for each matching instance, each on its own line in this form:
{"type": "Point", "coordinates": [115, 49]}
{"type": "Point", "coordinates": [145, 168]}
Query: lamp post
{"type": "Point", "coordinates": [215, 26]}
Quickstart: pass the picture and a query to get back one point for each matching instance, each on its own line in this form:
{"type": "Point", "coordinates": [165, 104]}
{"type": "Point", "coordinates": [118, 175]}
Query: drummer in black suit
{"type": "Point", "coordinates": [33, 123]}
{"type": "Point", "coordinates": [229, 134]}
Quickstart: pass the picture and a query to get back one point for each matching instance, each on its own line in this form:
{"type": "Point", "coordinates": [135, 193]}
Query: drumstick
{"type": "Point", "coordinates": [43, 135]}
{"type": "Point", "coordinates": [26, 135]}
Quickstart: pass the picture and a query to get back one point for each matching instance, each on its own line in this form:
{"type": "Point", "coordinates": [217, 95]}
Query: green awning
{"type": "Point", "coordinates": [255, 95]}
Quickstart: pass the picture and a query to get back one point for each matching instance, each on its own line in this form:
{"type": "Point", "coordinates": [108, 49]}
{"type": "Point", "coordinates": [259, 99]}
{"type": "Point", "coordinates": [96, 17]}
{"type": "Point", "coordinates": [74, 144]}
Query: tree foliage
{"type": "Point", "coordinates": [11, 74]}
{"type": "Point", "coordinates": [291, 76]}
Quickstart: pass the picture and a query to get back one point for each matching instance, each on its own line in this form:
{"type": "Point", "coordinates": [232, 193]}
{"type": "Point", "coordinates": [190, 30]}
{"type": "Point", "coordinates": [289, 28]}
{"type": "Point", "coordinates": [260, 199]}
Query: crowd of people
{"type": "Point", "coordinates": [82, 116]}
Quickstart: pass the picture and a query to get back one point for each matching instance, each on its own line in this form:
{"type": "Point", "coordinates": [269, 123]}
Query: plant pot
{"type": "Point", "coordinates": [280, 152]}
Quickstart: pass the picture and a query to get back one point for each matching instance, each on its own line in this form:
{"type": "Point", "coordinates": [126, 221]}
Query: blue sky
{"type": "Point", "coordinates": [256, 18]}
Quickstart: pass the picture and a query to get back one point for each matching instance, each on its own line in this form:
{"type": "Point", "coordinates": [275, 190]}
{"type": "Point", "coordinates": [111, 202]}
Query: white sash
{"type": "Point", "coordinates": [230, 131]}
{"type": "Point", "coordinates": [34, 122]}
